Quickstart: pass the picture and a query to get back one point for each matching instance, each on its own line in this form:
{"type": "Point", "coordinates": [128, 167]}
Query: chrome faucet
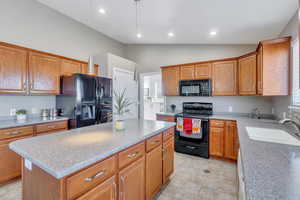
{"type": "Point", "coordinates": [286, 120]}
{"type": "Point", "coordinates": [255, 114]}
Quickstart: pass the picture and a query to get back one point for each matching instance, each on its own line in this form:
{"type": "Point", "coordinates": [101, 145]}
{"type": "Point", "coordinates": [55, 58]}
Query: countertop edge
{"type": "Point", "coordinates": [91, 161]}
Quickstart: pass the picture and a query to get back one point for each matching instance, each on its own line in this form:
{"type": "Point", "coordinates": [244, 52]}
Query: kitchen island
{"type": "Point", "coordinates": [98, 162]}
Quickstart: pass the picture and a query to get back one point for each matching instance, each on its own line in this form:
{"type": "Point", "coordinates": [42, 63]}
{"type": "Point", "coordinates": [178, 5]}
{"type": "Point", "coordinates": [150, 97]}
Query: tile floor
{"type": "Point", "coordinates": [191, 181]}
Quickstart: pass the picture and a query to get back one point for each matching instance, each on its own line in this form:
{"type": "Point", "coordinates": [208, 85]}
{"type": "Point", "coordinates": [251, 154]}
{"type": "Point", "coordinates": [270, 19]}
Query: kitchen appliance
{"type": "Point", "coordinates": [187, 143]}
{"type": "Point", "coordinates": [85, 99]}
{"type": "Point", "coordinates": [195, 87]}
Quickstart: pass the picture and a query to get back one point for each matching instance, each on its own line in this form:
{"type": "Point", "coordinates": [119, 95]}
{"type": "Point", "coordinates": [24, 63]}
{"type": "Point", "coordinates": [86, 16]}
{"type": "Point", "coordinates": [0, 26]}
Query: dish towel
{"type": "Point", "coordinates": [197, 127]}
{"type": "Point", "coordinates": [179, 125]}
{"type": "Point", "coordinates": [187, 126]}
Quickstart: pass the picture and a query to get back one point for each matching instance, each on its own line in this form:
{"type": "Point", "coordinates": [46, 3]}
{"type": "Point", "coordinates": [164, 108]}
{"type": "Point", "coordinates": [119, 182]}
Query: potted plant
{"type": "Point", "coordinates": [121, 107]}
{"type": "Point", "coordinates": [21, 115]}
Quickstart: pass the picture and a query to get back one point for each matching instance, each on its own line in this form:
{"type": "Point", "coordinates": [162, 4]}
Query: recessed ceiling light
{"type": "Point", "coordinates": [102, 11]}
{"type": "Point", "coordinates": [171, 34]}
{"type": "Point", "coordinates": [138, 35]}
{"type": "Point", "coordinates": [213, 33]}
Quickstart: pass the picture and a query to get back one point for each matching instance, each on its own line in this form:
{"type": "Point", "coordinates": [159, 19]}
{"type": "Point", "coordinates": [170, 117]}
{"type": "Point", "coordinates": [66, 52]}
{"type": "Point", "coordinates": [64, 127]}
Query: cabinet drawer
{"type": "Point", "coordinates": [165, 118]}
{"type": "Point", "coordinates": [85, 180]}
{"type": "Point", "coordinates": [53, 126]}
{"type": "Point", "coordinates": [15, 132]}
{"type": "Point", "coordinates": [168, 134]}
{"type": "Point", "coordinates": [131, 154]}
{"type": "Point", "coordinates": [217, 123]}
{"type": "Point", "coordinates": [153, 142]}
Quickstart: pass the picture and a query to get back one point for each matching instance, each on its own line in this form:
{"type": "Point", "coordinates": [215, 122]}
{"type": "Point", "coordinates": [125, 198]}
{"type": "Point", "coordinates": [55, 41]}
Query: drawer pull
{"type": "Point", "coordinates": [52, 126]}
{"type": "Point", "coordinates": [155, 142]}
{"type": "Point", "coordinates": [190, 147]}
{"type": "Point", "coordinates": [99, 174]}
{"type": "Point", "coordinates": [133, 155]}
{"type": "Point", "coordinates": [13, 133]}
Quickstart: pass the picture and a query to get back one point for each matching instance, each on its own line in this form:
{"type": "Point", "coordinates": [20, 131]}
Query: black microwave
{"type": "Point", "coordinates": [195, 87]}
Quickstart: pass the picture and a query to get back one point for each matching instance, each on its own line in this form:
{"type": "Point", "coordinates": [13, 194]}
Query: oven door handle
{"type": "Point", "coordinates": [190, 147]}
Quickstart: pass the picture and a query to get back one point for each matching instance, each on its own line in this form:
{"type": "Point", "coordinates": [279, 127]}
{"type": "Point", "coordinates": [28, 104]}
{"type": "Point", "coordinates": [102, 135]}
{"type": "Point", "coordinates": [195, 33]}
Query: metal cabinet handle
{"type": "Point", "coordinates": [13, 133]}
{"type": "Point", "coordinates": [133, 154]}
{"type": "Point", "coordinates": [115, 190]}
{"type": "Point", "coordinates": [155, 142]}
{"type": "Point", "coordinates": [122, 193]}
{"type": "Point", "coordinates": [164, 150]}
{"type": "Point", "coordinates": [99, 174]}
{"type": "Point", "coordinates": [52, 126]}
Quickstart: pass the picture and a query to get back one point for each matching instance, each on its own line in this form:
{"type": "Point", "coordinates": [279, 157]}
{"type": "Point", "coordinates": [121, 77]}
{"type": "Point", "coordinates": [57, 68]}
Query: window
{"type": "Point", "coordinates": [296, 78]}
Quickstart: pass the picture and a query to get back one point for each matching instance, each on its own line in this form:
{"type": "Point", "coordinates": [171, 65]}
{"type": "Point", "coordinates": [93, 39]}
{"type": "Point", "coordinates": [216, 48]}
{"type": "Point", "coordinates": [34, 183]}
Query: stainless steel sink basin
{"type": "Point", "coordinates": [272, 135]}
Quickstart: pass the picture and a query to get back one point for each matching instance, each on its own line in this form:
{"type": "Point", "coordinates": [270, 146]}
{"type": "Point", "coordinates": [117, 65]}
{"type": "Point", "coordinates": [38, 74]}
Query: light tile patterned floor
{"type": "Point", "coordinates": [191, 181]}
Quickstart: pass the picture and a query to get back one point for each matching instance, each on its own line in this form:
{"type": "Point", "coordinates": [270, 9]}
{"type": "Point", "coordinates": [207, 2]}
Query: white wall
{"type": "Point", "coordinates": [30, 24]}
{"type": "Point", "coordinates": [281, 103]}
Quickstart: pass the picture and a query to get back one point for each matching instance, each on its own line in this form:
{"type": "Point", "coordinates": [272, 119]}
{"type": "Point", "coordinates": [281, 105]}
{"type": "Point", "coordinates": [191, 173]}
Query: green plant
{"type": "Point", "coordinates": [21, 112]}
{"type": "Point", "coordinates": [121, 102]}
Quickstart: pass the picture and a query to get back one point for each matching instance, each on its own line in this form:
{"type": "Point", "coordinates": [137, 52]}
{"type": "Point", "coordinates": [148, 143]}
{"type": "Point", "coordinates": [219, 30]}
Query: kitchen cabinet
{"type": "Point", "coordinates": [170, 80]}
{"type": "Point", "coordinates": [13, 70]}
{"type": "Point", "coordinates": [132, 181]}
{"type": "Point", "coordinates": [168, 159]}
{"type": "Point", "coordinates": [154, 170]}
{"type": "Point", "coordinates": [224, 78]}
{"type": "Point", "coordinates": [166, 118]}
{"type": "Point", "coordinates": [259, 71]}
{"type": "Point", "coordinates": [203, 71]}
{"type": "Point", "coordinates": [69, 67]}
{"type": "Point", "coordinates": [187, 72]}
{"type": "Point", "coordinates": [216, 141]}
{"type": "Point", "coordinates": [231, 141]}
{"type": "Point", "coordinates": [51, 127]}
{"type": "Point", "coordinates": [247, 75]}
{"type": "Point", "coordinates": [274, 67]}
{"type": "Point", "coordinates": [105, 191]}
{"type": "Point", "coordinates": [44, 73]}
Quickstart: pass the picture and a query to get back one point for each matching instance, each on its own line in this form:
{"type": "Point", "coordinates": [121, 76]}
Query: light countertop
{"type": "Point", "coordinates": [30, 121]}
{"type": "Point", "coordinates": [63, 153]}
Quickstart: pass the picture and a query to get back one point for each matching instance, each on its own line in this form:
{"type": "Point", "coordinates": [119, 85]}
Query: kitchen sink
{"type": "Point", "coordinates": [272, 135]}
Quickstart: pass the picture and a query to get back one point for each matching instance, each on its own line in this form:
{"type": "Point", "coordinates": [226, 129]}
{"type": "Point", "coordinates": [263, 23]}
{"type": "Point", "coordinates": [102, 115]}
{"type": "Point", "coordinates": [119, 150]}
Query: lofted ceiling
{"type": "Point", "coordinates": [191, 21]}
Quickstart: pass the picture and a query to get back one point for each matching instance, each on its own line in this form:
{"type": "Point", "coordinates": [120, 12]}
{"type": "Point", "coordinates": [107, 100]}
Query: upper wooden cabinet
{"type": "Point", "coordinates": [259, 71]}
{"type": "Point", "coordinates": [203, 71]}
{"type": "Point", "coordinates": [170, 81]}
{"type": "Point", "coordinates": [187, 72]}
{"type": "Point", "coordinates": [224, 78]}
{"type": "Point", "coordinates": [13, 70]}
{"type": "Point", "coordinates": [69, 67]}
{"type": "Point", "coordinates": [44, 72]}
{"type": "Point", "coordinates": [247, 75]}
{"type": "Point", "coordinates": [274, 67]}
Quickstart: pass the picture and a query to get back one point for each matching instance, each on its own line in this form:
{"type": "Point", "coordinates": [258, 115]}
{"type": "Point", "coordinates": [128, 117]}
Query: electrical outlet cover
{"type": "Point", "coordinates": [13, 111]}
{"type": "Point", "coordinates": [230, 109]}
{"type": "Point", "coordinates": [34, 110]}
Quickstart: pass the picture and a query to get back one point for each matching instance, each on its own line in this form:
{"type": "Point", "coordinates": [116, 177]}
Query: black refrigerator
{"type": "Point", "coordinates": [86, 100]}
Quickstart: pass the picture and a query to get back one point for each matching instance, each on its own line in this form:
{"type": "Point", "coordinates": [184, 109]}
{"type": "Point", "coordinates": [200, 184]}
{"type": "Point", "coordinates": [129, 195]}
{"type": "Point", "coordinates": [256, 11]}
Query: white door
{"type": "Point", "coordinates": [125, 79]}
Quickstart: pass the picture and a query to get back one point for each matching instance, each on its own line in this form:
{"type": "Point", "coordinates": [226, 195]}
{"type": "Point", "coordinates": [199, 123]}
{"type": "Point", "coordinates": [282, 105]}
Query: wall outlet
{"type": "Point", "coordinates": [229, 108]}
{"type": "Point", "coordinates": [34, 110]}
{"type": "Point", "coordinates": [13, 111]}
{"type": "Point", "coordinates": [273, 110]}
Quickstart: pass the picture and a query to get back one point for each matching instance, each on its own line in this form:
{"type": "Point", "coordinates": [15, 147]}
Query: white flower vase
{"type": "Point", "coordinates": [21, 117]}
{"type": "Point", "coordinates": [119, 123]}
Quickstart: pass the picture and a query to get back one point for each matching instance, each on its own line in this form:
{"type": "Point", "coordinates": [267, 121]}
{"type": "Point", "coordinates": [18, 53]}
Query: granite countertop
{"type": "Point", "coordinates": [271, 170]}
{"type": "Point", "coordinates": [63, 153]}
{"type": "Point", "coordinates": [30, 121]}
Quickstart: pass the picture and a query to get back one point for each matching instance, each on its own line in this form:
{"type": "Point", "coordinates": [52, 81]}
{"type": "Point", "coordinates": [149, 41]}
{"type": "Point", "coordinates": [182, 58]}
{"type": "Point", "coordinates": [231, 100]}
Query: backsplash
{"type": "Point", "coordinates": [25, 102]}
{"type": "Point", "coordinates": [241, 104]}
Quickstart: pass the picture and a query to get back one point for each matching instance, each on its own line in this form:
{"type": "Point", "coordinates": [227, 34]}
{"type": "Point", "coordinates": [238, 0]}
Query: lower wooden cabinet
{"type": "Point", "coordinates": [132, 181]}
{"type": "Point", "coordinates": [10, 162]}
{"type": "Point", "coordinates": [223, 140]}
{"type": "Point", "coordinates": [105, 191]}
{"type": "Point", "coordinates": [154, 171]}
{"type": "Point", "coordinates": [168, 159]}
{"type": "Point", "coordinates": [166, 118]}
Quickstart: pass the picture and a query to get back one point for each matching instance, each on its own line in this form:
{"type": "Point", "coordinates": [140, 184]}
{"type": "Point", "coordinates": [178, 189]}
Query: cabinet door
{"type": "Point", "coordinates": [168, 159]}
{"type": "Point", "coordinates": [247, 75]}
{"type": "Point", "coordinates": [153, 172]}
{"type": "Point", "coordinates": [13, 70]}
{"type": "Point", "coordinates": [231, 141]}
{"type": "Point", "coordinates": [132, 181]}
{"type": "Point", "coordinates": [259, 71]}
{"type": "Point", "coordinates": [224, 78]}
{"type": "Point", "coordinates": [105, 191]}
{"type": "Point", "coordinates": [170, 81]}
{"type": "Point", "coordinates": [203, 71]}
{"type": "Point", "coordinates": [44, 73]}
{"type": "Point", "coordinates": [10, 162]}
{"type": "Point", "coordinates": [216, 141]}
{"type": "Point", "coordinates": [69, 67]}
{"type": "Point", "coordinates": [187, 72]}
